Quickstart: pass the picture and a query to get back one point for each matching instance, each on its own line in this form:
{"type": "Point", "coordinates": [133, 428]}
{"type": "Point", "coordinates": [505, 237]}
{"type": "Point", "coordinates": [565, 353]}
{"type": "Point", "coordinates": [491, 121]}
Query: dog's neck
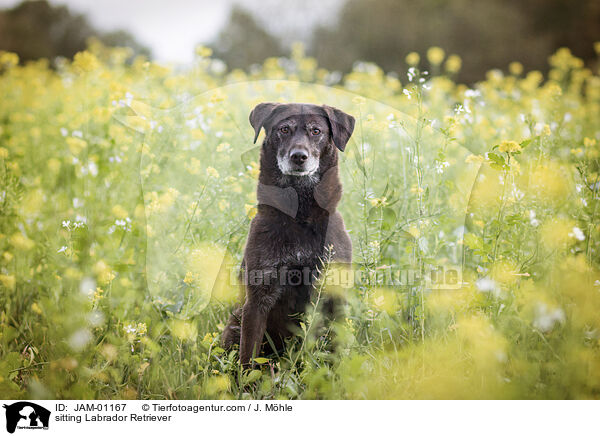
{"type": "Point", "coordinates": [300, 196]}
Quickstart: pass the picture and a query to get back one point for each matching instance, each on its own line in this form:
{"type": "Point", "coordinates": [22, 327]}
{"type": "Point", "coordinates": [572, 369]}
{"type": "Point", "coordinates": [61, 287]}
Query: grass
{"type": "Point", "coordinates": [127, 189]}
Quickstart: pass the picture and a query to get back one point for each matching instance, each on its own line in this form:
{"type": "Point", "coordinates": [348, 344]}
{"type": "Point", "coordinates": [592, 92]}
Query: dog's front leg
{"type": "Point", "coordinates": [261, 295]}
{"type": "Point", "coordinates": [254, 324]}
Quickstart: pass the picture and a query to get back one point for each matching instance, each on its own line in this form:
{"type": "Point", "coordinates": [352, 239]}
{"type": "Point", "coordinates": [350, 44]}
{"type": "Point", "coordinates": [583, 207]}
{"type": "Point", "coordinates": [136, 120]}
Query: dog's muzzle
{"type": "Point", "coordinates": [298, 163]}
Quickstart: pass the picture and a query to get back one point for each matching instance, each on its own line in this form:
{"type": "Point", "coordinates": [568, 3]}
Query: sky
{"type": "Point", "coordinates": [172, 28]}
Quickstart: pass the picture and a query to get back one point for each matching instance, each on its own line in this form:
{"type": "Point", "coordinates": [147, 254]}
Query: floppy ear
{"type": "Point", "coordinates": [342, 126]}
{"type": "Point", "coordinates": [259, 115]}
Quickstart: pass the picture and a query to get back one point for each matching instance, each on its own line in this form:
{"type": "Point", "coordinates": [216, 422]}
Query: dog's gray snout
{"type": "Point", "coordinates": [298, 156]}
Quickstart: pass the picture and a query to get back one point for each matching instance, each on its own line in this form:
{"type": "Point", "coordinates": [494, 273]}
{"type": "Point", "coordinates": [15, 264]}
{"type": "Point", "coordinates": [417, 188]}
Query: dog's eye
{"type": "Point", "coordinates": [284, 129]}
{"type": "Point", "coordinates": [315, 131]}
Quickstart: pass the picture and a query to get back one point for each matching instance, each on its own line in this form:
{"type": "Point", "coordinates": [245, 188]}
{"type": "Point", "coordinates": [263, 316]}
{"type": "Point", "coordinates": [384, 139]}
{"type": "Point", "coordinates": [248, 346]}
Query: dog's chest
{"type": "Point", "coordinates": [287, 242]}
{"type": "Point", "coordinates": [300, 255]}
{"type": "Point", "coordinates": [301, 243]}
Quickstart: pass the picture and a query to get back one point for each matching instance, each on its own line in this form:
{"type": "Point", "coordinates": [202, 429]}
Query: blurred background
{"type": "Point", "coordinates": [486, 34]}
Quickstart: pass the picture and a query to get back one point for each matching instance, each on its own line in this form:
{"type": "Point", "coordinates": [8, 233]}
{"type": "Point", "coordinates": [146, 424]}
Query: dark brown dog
{"type": "Point", "coordinates": [298, 192]}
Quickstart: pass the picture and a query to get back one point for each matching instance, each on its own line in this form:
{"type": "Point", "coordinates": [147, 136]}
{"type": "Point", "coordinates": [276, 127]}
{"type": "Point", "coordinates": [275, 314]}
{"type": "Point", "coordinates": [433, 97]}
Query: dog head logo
{"type": "Point", "coordinates": [26, 415]}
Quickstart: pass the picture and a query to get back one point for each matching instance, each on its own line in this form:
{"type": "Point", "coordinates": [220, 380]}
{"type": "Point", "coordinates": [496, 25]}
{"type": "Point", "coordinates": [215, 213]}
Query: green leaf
{"type": "Point", "coordinates": [472, 241]}
{"type": "Point", "coordinates": [252, 376]}
{"type": "Point", "coordinates": [261, 360]}
{"type": "Point", "coordinates": [525, 143]}
{"type": "Point", "coordinates": [405, 234]}
{"type": "Point", "coordinates": [384, 217]}
{"type": "Point", "coordinates": [303, 327]}
{"type": "Point", "coordinates": [496, 159]}
{"type": "Point", "coordinates": [498, 162]}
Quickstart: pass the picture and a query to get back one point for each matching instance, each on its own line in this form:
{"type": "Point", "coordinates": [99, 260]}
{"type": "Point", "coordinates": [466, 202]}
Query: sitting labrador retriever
{"type": "Point", "coordinates": [298, 192]}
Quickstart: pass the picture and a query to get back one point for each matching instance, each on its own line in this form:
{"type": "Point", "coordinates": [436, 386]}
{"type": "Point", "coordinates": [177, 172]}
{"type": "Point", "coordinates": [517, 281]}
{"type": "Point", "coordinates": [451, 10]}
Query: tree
{"type": "Point", "coordinates": [243, 42]}
{"type": "Point", "coordinates": [486, 33]}
{"type": "Point", "coordinates": [36, 29]}
{"type": "Point", "coordinates": [566, 23]}
{"type": "Point", "coordinates": [121, 38]}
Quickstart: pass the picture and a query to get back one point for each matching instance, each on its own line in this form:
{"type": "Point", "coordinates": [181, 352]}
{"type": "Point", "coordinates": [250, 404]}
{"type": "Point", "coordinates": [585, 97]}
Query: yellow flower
{"type": "Point", "coordinates": [36, 308]}
{"type": "Point", "coordinates": [549, 182]}
{"type": "Point", "coordinates": [203, 51]}
{"type": "Point", "coordinates": [546, 131]}
{"type": "Point", "coordinates": [554, 89]}
{"type": "Point", "coordinates": [9, 59]}
{"type": "Point", "coordinates": [141, 328]}
{"type": "Point", "coordinates": [193, 167]}
{"type": "Point", "coordinates": [3, 153]}
{"type": "Point", "coordinates": [14, 166]}
{"type": "Point", "coordinates": [509, 147]}
{"type": "Point", "coordinates": [413, 59]}
{"type": "Point", "coordinates": [119, 211]}
{"type": "Point", "coordinates": [435, 55]}
{"type": "Point", "coordinates": [211, 172]}
{"type": "Point", "coordinates": [515, 68]}
{"type": "Point", "coordinates": [453, 64]}
{"type": "Point", "coordinates": [218, 384]}
{"type": "Point", "coordinates": [54, 165]}
{"type": "Point", "coordinates": [8, 281]}
{"type": "Point", "coordinates": [298, 50]}
{"type": "Point", "coordinates": [474, 158]}
{"type": "Point", "coordinates": [250, 210]}
{"type": "Point", "coordinates": [379, 202]}
{"type": "Point", "coordinates": [589, 142]}
{"type": "Point", "coordinates": [189, 278]}
{"type": "Point", "coordinates": [217, 97]}
{"type": "Point", "coordinates": [97, 295]}
{"type": "Point", "coordinates": [223, 146]}
{"type": "Point", "coordinates": [76, 145]}
{"type": "Point", "coordinates": [21, 242]}
{"type": "Point", "coordinates": [103, 272]}
{"type": "Point", "coordinates": [209, 339]}
{"type": "Point", "coordinates": [197, 134]}
{"type": "Point", "coordinates": [556, 233]}
{"type": "Point", "coordinates": [577, 151]}
{"type": "Point", "coordinates": [254, 170]}
{"type": "Point", "coordinates": [413, 230]}
{"type": "Point", "coordinates": [84, 61]}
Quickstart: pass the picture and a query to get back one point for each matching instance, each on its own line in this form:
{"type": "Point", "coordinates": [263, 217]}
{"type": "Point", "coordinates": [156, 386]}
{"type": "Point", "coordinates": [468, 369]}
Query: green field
{"type": "Point", "coordinates": [127, 189]}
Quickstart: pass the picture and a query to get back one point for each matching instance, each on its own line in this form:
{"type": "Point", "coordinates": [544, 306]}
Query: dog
{"type": "Point", "coordinates": [296, 221]}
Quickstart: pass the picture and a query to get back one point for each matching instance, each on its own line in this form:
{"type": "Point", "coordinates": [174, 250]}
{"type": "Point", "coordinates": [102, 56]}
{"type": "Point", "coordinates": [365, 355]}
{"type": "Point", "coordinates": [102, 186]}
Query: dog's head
{"type": "Point", "coordinates": [300, 135]}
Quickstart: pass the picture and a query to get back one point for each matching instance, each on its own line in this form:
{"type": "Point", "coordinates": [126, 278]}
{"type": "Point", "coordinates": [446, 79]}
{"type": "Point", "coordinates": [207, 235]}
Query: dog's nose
{"type": "Point", "coordinates": [298, 156]}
